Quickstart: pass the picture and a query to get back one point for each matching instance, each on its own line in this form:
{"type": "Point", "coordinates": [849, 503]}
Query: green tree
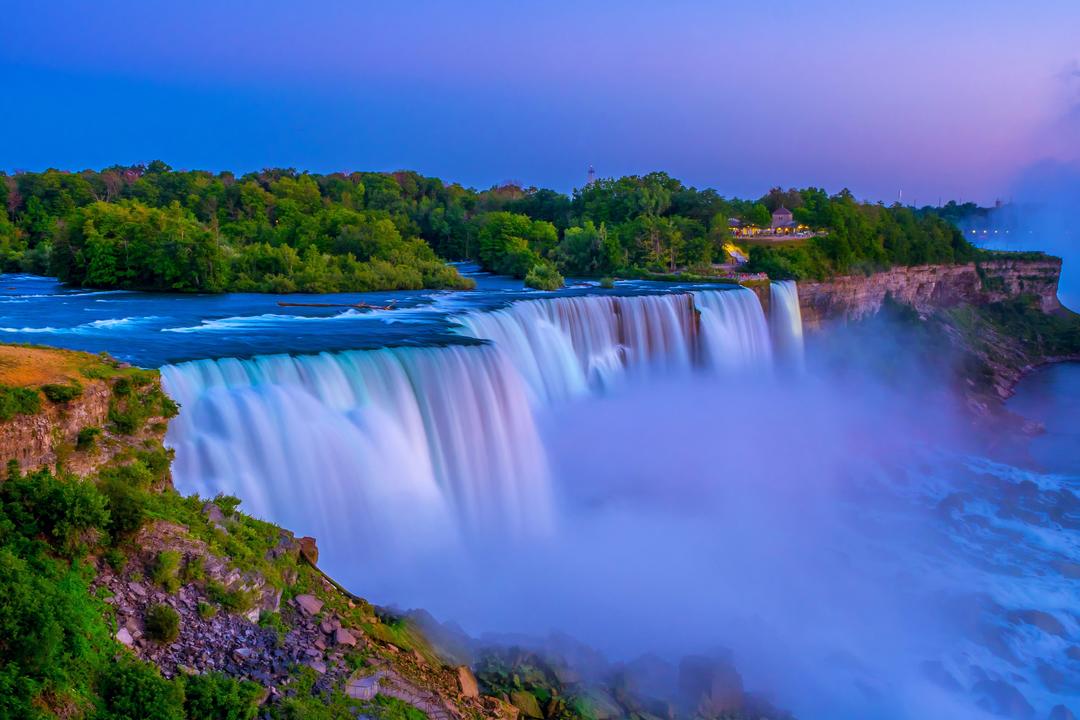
{"type": "Point", "coordinates": [215, 696]}
{"type": "Point", "coordinates": [134, 690]}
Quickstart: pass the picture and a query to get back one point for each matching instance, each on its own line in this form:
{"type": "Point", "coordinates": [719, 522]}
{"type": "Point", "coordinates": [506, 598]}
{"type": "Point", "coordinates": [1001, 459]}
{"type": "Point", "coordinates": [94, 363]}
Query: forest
{"type": "Point", "coordinates": [149, 227]}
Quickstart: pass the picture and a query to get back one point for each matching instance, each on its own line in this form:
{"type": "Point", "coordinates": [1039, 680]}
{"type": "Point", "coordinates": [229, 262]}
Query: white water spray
{"type": "Point", "coordinates": [564, 347]}
{"type": "Point", "coordinates": [348, 446]}
{"type": "Point", "coordinates": [785, 321]}
{"type": "Point", "coordinates": [343, 446]}
{"type": "Point", "coordinates": [733, 330]}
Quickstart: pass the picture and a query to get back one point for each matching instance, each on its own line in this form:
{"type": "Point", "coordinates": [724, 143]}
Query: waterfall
{"type": "Point", "coordinates": [733, 329]}
{"type": "Point", "coordinates": [378, 446]}
{"type": "Point", "coordinates": [415, 448]}
{"type": "Point", "coordinates": [786, 322]}
{"type": "Point", "coordinates": [564, 347]}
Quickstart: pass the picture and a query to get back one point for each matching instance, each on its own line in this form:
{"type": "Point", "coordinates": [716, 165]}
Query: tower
{"type": "Point", "coordinates": [591, 177]}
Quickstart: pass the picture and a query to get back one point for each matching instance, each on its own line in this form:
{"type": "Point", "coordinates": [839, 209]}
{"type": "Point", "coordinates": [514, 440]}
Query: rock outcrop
{"type": "Point", "coordinates": [40, 440]}
{"type": "Point", "coordinates": [928, 288]}
{"type": "Point", "coordinates": [112, 407]}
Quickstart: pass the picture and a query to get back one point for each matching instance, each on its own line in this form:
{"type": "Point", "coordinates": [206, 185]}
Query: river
{"type": "Point", "coordinates": [652, 468]}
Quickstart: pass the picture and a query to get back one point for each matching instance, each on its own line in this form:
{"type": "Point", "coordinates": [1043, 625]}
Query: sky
{"type": "Point", "coordinates": [948, 100]}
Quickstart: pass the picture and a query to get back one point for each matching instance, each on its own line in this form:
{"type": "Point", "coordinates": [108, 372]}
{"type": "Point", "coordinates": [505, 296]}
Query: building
{"type": "Point", "coordinates": [782, 219]}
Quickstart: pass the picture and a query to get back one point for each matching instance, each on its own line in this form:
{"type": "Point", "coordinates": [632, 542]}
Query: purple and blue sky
{"type": "Point", "coordinates": [942, 99]}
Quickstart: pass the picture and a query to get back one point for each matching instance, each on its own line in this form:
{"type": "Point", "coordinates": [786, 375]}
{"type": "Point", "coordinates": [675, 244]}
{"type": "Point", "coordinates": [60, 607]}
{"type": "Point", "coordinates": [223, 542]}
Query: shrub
{"type": "Point", "coordinates": [216, 696]}
{"type": "Point", "coordinates": [234, 601]}
{"type": "Point", "coordinates": [162, 623]}
{"type": "Point", "coordinates": [134, 690]}
{"type": "Point", "coordinates": [544, 276]}
{"type": "Point", "coordinates": [129, 410]}
{"type": "Point", "coordinates": [166, 570]}
{"type": "Point", "coordinates": [227, 504]}
{"type": "Point", "coordinates": [65, 509]}
{"type": "Point", "coordinates": [206, 610]}
{"type": "Point", "coordinates": [50, 622]}
{"type": "Point", "coordinates": [62, 393]}
{"type": "Point", "coordinates": [194, 570]}
{"type": "Point", "coordinates": [124, 420]}
{"type": "Point", "coordinates": [18, 401]}
{"type": "Point", "coordinates": [169, 407]}
{"type": "Point", "coordinates": [127, 507]}
{"type": "Point", "coordinates": [87, 438]}
{"type": "Point", "coordinates": [273, 621]}
{"type": "Point", "coordinates": [117, 559]}
{"type": "Point", "coordinates": [607, 283]}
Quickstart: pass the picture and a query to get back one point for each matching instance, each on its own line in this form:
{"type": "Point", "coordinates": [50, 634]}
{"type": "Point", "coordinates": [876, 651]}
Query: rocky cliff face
{"type": "Point", "coordinates": [40, 440]}
{"type": "Point", "coordinates": [115, 409]}
{"type": "Point", "coordinates": [929, 288]}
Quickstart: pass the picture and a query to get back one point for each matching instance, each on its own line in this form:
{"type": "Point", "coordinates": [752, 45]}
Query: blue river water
{"type": "Point", "coordinates": [151, 330]}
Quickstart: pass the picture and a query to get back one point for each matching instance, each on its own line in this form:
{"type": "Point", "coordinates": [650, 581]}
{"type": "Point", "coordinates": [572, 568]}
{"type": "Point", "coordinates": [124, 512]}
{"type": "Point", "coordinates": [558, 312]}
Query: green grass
{"type": "Point", "coordinates": [18, 401]}
{"type": "Point", "coordinates": [62, 393]}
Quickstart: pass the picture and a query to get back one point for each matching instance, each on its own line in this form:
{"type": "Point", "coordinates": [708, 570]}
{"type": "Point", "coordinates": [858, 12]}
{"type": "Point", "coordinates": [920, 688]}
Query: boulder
{"type": "Point", "coordinates": [309, 604]}
{"type": "Point", "coordinates": [214, 515]}
{"type": "Point", "coordinates": [526, 703]}
{"type": "Point", "coordinates": [309, 550]}
{"type": "Point", "coordinates": [124, 637]}
{"type": "Point", "coordinates": [467, 682]}
{"type": "Point", "coordinates": [344, 637]}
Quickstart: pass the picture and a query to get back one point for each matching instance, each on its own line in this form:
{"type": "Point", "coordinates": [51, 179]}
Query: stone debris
{"type": "Point", "coordinates": [344, 637]}
{"type": "Point", "coordinates": [235, 644]}
{"type": "Point", "coordinates": [309, 604]}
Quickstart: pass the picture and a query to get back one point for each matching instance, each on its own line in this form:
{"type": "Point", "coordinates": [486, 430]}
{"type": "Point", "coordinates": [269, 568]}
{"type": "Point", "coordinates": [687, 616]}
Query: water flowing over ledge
{"type": "Point", "coordinates": [332, 442]}
{"type": "Point", "coordinates": [343, 445]}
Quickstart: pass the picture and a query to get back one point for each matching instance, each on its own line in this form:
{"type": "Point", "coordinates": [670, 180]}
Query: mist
{"type": "Point", "coordinates": [782, 518]}
{"type": "Point", "coordinates": [831, 529]}
{"type": "Point", "coordinates": [1044, 215]}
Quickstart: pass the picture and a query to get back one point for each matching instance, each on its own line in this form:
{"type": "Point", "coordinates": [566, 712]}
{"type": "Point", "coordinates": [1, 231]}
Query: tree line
{"type": "Point", "coordinates": [151, 227]}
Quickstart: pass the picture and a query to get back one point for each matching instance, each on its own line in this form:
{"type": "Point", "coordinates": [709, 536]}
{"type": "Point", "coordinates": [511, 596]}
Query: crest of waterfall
{"type": "Point", "coordinates": [734, 333]}
{"type": "Point", "coordinates": [364, 446]}
{"type": "Point", "coordinates": [564, 347]}
{"type": "Point", "coordinates": [786, 321]}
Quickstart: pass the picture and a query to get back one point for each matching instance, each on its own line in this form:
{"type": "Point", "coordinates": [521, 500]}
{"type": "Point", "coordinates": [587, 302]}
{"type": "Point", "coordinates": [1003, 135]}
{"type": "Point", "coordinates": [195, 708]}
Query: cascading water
{"type": "Point", "coordinates": [785, 322]}
{"type": "Point", "coordinates": [346, 445]}
{"type": "Point", "coordinates": [733, 329]}
{"type": "Point", "coordinates": [565, 346]}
